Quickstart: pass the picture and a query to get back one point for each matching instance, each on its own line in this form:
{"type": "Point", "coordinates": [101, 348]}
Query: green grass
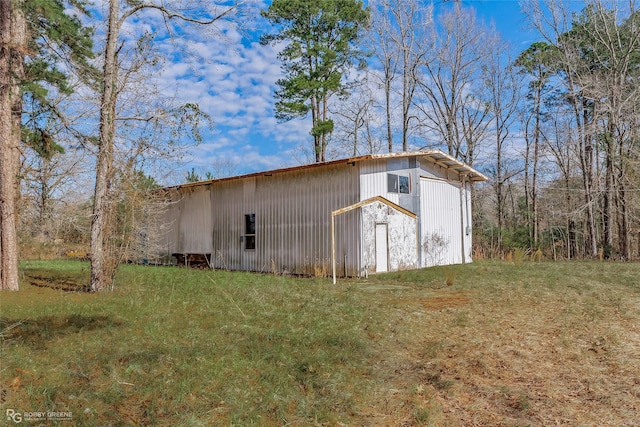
{"type": "Point", "coordinates": [180, 347]}
{"type": "Point", "coordinates": [185, 347]}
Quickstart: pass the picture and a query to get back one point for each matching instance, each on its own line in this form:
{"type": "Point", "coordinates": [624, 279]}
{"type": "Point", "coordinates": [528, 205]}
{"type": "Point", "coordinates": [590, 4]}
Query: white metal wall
{"type": "Point", "coordinates": [443, 223]}
{"type": "Point", "coordinates": [373, 181]}
{"type": "Point", "coordinates": [468, 222]}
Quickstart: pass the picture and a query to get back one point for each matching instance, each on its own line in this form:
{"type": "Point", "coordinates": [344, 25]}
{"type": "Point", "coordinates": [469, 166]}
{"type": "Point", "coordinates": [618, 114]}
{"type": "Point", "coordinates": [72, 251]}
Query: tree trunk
{"type": "Point", "coordinates": [607, 202]}
{"type": "Point", "coordinates": [534, 188]}
{"type": "Point", "coordinates": [102, 267]}
{"type": "Point", "coordinates": [387, 95]}
{"type": "Point", "coordinates": [317, 139]}
{"type": "Point", "coordinates": [499, 189]}
{"type": "Point", "coordinates": [527, 185]}
{"type": "Point", "coordinates": [534, 173]}
{"type": "Point", "coordinates": [586, 162]}
{"type": "Point", "coordinates": [621, 206]}
{"type": "Point", "coordinates": [323, 156]}
{"type": "Point", "coordinates": [406, 102]}
{"type": "Point", "coordinates": [13, 46]}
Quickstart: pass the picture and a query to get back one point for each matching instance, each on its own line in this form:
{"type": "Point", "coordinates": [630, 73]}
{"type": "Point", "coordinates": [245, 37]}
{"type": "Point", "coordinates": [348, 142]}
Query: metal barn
{"type": "Point", "coordinates": [366, 214]}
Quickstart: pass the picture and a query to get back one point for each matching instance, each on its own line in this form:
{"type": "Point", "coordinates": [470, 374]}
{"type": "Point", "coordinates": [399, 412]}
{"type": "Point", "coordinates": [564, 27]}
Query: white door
{"type": "Point", "coordinates": [382, 252]}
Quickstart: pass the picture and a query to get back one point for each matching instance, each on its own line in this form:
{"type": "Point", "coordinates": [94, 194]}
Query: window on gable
{"type": "Point", "coordinates": [398, 184]}
{"type": "Point", "coordinates": [250, 231]}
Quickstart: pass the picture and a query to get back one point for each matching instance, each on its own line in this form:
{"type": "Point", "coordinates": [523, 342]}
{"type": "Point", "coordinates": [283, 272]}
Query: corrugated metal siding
{"type": "Point", "coordinates": [188, 217]}
{"type": "Point", "coordinates": [297, 209]}
{"type": "Point", "coordinates": [227, 217]}
{"type": "Point", "coordinates": [436, 171]}
{"type": "Point", "coordinates": [440, 220]}
{"type": "Point", "coordinates": [171, 215]}
{"type": "Point", "coordinates": [373, 180]}
{"type": "Point", "coordinates": [468, 228]}
{"type": "Point", "coordinates": [293, 212]}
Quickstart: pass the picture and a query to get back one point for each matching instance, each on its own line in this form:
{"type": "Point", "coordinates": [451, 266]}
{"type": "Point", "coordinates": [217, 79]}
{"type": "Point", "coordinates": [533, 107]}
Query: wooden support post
{"type": "Point", "coordinates": [333, 246]}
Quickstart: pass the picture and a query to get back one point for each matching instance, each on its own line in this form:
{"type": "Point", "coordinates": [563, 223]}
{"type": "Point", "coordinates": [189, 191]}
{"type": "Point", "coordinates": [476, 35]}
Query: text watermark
{"type": "Point", "coordinates": [20, 416]}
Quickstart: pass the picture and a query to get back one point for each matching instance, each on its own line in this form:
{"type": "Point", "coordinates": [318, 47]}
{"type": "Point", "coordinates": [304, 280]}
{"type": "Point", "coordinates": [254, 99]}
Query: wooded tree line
{"type": "Point", "coordinates": [555, 126]}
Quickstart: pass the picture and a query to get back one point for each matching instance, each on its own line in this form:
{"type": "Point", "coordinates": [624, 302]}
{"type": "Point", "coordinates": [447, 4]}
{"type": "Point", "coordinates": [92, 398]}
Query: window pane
{"type": "Point", "coordinates": [250, 231]}
{"type": "Point", "coordinates": [392, 183]}
{"type": "Point", "coordinates": [404, 184]}
{"type": "Point", "coordinates": [250, 224]}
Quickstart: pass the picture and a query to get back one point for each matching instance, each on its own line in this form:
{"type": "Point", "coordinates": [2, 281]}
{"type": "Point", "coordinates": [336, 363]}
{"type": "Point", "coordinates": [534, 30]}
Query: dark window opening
{"type": "Point", "coordinates": [250, 231]}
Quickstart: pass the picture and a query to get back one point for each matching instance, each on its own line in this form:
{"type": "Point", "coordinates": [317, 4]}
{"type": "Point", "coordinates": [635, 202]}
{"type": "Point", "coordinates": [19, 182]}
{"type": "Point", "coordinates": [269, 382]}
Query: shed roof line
{"type": "Point", "coordinates": [373, 200]}
{"type": "Point", "coordinates": [434, 156]}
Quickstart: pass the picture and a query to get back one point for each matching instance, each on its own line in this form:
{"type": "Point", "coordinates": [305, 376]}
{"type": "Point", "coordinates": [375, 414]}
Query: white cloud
{"type": "Point", "coordinates": [232, 77]}
{"type": "Point", "coordinates": [233, 80]}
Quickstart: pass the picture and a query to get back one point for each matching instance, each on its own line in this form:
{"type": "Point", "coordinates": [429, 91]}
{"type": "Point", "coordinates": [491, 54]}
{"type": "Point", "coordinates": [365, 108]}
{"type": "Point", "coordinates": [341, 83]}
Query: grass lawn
{"type": "Point", "coordinates": [486, 344]}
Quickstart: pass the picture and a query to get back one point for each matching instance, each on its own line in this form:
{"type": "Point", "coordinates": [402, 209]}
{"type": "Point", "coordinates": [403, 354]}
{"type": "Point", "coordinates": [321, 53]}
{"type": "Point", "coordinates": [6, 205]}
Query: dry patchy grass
{"type": "Point", "coordinates": [487, 344]}
{"type": "Point", "coordinates": [528, 345]}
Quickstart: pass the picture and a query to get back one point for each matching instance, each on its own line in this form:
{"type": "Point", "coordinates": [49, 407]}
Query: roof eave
{"type": "Point", "coordinates": [435, 156]}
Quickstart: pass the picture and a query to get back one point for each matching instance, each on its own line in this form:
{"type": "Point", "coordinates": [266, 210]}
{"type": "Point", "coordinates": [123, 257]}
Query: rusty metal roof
{"type": "Point", "coordinates": [434, 156]}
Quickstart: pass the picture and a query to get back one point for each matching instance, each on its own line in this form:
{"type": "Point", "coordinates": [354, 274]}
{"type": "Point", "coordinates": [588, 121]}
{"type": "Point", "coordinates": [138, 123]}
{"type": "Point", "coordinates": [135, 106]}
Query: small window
{"type": "Point", "coordinates": [398, 184]}
{"type": "Point", "coordinates": [250, 231]}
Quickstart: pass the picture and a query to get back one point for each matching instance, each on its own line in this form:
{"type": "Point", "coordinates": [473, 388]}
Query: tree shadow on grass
{"type": "Point", "coordinates": [69, 282]}
{"type": "Point", "coordinates": [36, 333]}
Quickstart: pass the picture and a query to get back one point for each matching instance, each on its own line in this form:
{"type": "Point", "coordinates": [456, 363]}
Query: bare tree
{"type": "Point", "coordinates": [563, 152]}
{"type": "Point", "coordinates": [355, 118]}
{"type": "Point", "coordinates": [103, 266]}
{"type": "Point", "coordinates": [537, 62]}
{"type": "Point", "coordinates": [503, 96]}
{"type": "Point", "coordinates": [615, 43]}
{"type": "Point", "coordinates": [387, 55]}
{"type": "Point", "coordinates": [45, 180]}
{"type": "Point", "coordinates": [552, 20]}
{"type": "Point", "coordinates": [396, 30]}
{"type": "Point", "coordinates": [450, 108]}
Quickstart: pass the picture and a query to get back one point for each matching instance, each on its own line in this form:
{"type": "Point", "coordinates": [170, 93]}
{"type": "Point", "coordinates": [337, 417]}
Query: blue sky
{"type": "Point", "coordinates": [232, 77]}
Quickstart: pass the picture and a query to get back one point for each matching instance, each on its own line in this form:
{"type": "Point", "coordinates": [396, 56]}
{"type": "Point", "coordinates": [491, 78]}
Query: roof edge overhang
{"type": "Point", "coordinates": [434, 156]}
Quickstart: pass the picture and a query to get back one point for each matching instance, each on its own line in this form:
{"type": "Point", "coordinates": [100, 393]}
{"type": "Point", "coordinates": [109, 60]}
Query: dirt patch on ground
{"type": "Point", "coordinates": [384, 288]}
{"type": "Point", "coordinates": [448, 300]}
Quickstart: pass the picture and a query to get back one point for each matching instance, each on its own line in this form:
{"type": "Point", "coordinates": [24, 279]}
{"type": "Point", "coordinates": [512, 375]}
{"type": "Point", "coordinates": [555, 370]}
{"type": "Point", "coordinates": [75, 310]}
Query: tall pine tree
{"type": "Point", "coordinates": [320, 37]}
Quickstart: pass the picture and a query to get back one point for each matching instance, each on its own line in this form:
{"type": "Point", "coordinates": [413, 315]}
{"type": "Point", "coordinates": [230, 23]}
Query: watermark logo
{"type": "Point", "coordinates": [18, 417]}
{"type": "Point", "coordinates": [14, 416]}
